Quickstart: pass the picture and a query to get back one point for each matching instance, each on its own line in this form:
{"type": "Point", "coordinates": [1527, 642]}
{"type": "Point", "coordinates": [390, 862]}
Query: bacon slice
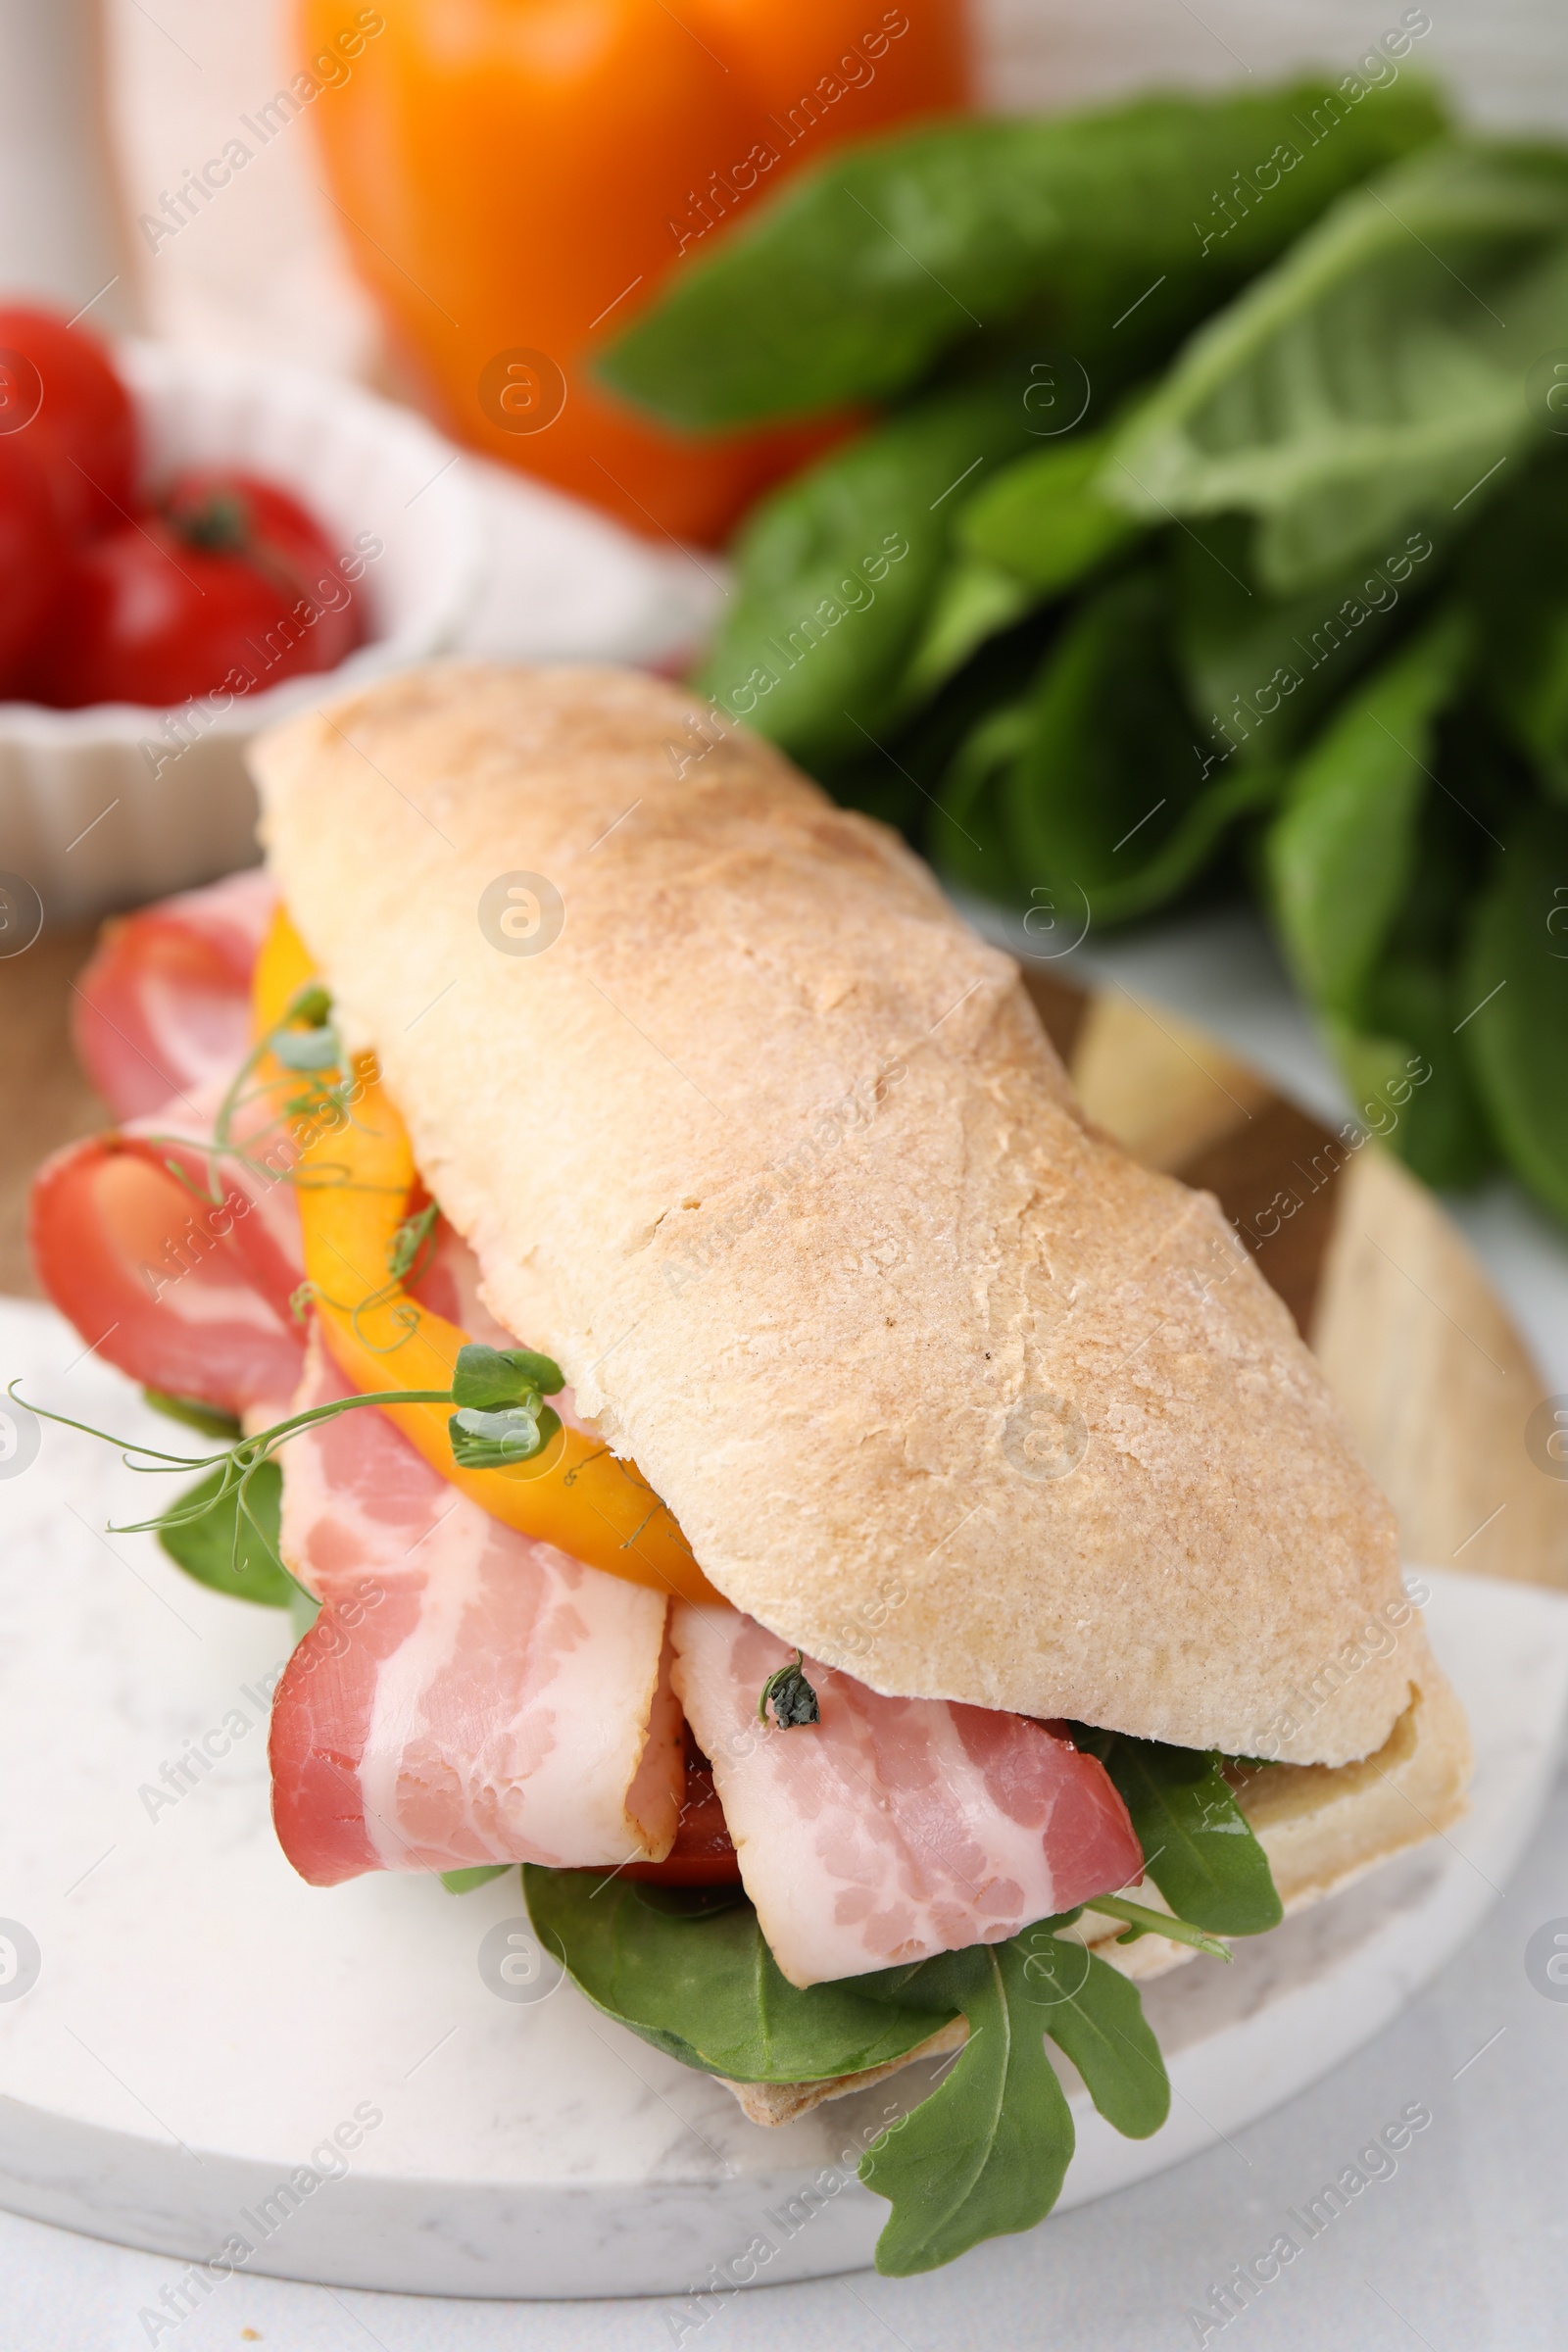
{"type": "Point", "coordinates": [895, 1828]}
{"type": "Point", "coordinates": [466, 1696]}
{"type": "Point", "coordinates": [180, 1293]}
{"type": "Point", "coordinates": [163, 1009]}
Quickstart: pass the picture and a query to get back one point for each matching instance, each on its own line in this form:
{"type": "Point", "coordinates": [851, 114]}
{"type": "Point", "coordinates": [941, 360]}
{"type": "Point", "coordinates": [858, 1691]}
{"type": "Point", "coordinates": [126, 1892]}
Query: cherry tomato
{"type": "Point", "coordinates": [59, 393]}
{"type": "Point", "coordinates": [231, 588]}
{"type": "Point", "coordinates": [32, 556]}
{"type": "Point", "coordinates": [239, 514]}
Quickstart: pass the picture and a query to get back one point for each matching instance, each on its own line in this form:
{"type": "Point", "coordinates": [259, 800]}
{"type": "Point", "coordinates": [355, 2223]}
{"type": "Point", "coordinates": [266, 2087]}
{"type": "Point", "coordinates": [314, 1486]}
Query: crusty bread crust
{"type": "Point", "coordinates": [772, 1154]}
{"type": "Point", "coordinates": [1320, 1828]}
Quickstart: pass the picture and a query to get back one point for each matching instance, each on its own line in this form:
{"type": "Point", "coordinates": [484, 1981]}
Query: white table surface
{"type": "Point", "coordinates": [1465, 2249]}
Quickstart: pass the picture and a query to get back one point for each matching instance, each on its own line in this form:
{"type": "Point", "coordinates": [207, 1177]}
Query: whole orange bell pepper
{"type": "Point", "coordinates": [516, 178]}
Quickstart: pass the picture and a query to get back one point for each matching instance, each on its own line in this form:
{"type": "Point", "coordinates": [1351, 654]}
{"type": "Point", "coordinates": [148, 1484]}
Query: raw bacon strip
{"type": "Point", "coordinates": [163, 1009]}
{"type": "Point", "coordinates": [895, 1828]}
{"type": "Point", "coordinates": [466, 1696]}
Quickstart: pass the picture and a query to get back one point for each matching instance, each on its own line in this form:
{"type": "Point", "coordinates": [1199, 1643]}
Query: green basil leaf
{"type": "Point", "coordinates": [859, 275]}
{"type": "Point", "coordinates": [988, 2151]}
{"type": "Point", "coordinates": [1515, 1023]}
{"type": "Point", "coordinates": [463, 1882]}
{"type": "Point", "coordinates": [1372, 378]}
{"type": "Point", "coordinates": [1093, 2012]}
{"type": "Point", "coordinates": [1198, 1847]}
{"type": "Point", "coordinates": [193, 1414]}
{"type": "Point", "coordinates": [1341, 852]}
{"type": "Point", "coordinates": [490, 1378]}
{"type": "Point", "coordinates": [700, 1982]}
{"type": "Point", "coordinates": [835, 571]}
{"type": "Point", "coordinates": [1045, 518]}
{"type": "Point", "coordinates": [228, 1551]}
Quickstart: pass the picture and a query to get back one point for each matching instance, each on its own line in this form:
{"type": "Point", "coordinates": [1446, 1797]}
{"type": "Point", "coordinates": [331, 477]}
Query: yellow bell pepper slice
{"type": "Point", "coordinates": [576, 1494]}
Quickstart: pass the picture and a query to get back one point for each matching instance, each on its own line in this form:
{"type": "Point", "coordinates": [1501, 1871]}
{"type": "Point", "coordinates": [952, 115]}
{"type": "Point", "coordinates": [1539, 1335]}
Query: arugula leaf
{"type": "Point", "coordinates": [1372, 378]}
{"type": "Point", "coordinates": [988, 2151]}
{"type": "Point", "coordinates": [1094, 2013]}
{"type": "Point", "coordinates": [835, 573]}
{"type": "Point", "coordinates": [1199, 1846]}
{"type": "Point", "coordinates": [1515, 1026]}
{"type": "Point", "coordinates": [229, 1549]}
{"type": "Point", "coordinates": [859, 275]}
{"type": "Point", "coordinates": [696, 1978]}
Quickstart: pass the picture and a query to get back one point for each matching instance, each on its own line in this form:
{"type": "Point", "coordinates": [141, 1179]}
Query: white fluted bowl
{"type": "Point", "coordinates": [111, 803]}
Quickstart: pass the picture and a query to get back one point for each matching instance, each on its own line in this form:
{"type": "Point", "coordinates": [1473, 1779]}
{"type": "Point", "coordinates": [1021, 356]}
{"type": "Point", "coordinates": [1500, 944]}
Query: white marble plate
{"type": "Point", "coordinates": [202, 2024]}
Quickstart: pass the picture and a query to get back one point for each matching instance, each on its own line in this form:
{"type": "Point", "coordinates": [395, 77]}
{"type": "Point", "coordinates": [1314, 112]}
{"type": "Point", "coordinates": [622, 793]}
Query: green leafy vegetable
{"type": "Point", "coordinates": [1342, 852]}
{"type": "Point", "coordinates": [492, 1377]}
{"type": "Point", "coordinates": [988, 2151]}
{"type": "Point", "coordinates": [1095, 2015]}
{"type": "Point", "coordinates": [1141, 1919]}
{"type": "Point", "coordinates": [232, 1551]}
{"type": "Point", "coordinates": [1517, 585]}
{"type": "Point", "coordinates": [1198, 1847]}
{"type": "Point", "coordinates": [1261, 670]}
{"type": "Point", "coordinates": [973, 601]}
{"type": "Point", "coordinates": [1515, 1023]}
{"type": "Point", "coordinates": [1370, 863]}
{"type": "Point", "coordinates": [1094, 790]}
{"type": "Point", "coordinates": [493, 1441]}
{"type": "Point", "coordinates": [985, 2152]}
{"type": "Point", "coordinates": [691, 1974]}
{"type": "Point", "coordinates": [463, 1882]}
{"type": "Point", "coordinates": [1045, 518]}
{"type": "Point", "coordinates": [1113, 226]}
{"type": "Point", "coordinates": [837, 571]}
{"type": "Point", "coordinates": [1373, 378]}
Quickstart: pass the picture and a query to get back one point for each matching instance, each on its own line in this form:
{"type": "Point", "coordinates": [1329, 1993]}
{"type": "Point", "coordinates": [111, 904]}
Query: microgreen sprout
{"type": "Point", "coordinates": [490, 1385]}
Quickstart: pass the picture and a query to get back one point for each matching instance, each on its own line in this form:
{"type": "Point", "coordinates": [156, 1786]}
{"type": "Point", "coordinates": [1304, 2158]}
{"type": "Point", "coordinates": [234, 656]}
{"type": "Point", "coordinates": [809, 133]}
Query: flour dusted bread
{"type": "Point", "coordinates": [772, 1154]}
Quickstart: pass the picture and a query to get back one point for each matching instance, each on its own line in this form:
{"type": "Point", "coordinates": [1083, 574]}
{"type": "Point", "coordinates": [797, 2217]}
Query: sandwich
{"type": "Point", "coordinates": [739, 1443]}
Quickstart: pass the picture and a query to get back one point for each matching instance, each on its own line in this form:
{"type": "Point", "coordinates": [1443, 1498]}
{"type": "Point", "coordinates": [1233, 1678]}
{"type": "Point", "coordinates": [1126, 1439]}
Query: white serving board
{"type": "Point", "coordinates": [202, 2021]}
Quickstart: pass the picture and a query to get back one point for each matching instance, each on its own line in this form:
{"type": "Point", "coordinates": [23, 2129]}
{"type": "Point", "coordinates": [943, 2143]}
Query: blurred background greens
{"type": "Point", "coordinates": [1205, 531]}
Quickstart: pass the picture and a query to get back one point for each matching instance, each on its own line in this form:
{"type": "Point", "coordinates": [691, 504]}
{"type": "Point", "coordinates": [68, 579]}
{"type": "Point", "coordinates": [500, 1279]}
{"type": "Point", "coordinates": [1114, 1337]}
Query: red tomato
{"type": "Point", "coordinates": [32, 556]}
{"type": "Point", "coordinates": [230, 589]}
{"type": "Point", "coordinates": [59, 391]}
{"type": "Point", "coordinates": [702, 1854]}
